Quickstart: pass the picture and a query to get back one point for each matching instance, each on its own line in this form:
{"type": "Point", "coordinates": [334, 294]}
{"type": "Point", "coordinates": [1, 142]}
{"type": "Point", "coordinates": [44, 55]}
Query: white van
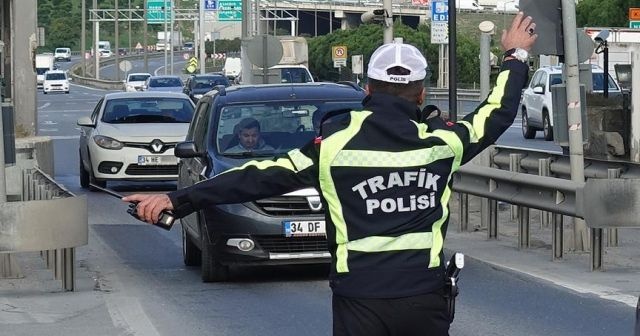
{"type": "Point", "coordinates": [232, 67]}
{"type": "Point", "coordinates": [468, 5]}
{"type": "Point", "coordinates": [55, 81]}
{"type": "Point", "coordinates": [62, 54]}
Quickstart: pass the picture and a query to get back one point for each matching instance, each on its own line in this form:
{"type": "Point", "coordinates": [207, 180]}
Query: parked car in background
{"type": "Point", "coordinates": [135, 81]}
{"type": "Point", "coordinates": [509, 6]}
{"type": "Point", "coordinates": [197, 85]}
{"type": "Point", "coordinates": [537, 104]}
{"type": "Point", "coordinates": [55, 81]}
{"type": "Point", "coordinates": [122, 51]}
{"type": "Point", "coordinates": [132, 135]}
{"type": "Point", "coordinates": [62, 54]}
{"type": "Point", "coordinates": [256, 232]}
{"type": "Point", "coordinates": [163, 83]}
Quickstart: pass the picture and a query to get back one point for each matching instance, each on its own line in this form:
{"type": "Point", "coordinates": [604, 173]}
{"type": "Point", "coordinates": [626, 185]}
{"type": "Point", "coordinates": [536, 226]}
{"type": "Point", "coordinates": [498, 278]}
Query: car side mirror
{"type": "Point", "coordinates": [187, 149]}
{"type": "Point", "coordinates": [86, 122]}
{"type": "Point", "coordinates": [538, 90]}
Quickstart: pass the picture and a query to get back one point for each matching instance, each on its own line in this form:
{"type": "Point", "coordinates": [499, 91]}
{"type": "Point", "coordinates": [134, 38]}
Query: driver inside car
{"type": "Point", "coordinates": [249, 137]}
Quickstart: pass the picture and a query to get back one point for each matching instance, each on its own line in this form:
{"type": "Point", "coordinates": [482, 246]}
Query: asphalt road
{"type": "Point", "coordinates": [165, 297]}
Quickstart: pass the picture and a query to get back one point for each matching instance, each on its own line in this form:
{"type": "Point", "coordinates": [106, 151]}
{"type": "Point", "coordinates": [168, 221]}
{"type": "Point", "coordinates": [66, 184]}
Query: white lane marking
{"type": "Point", "coordinates": [44, 106]}
{"type": "Point", "coordinates": [48, 129]}
{"type": "Point", "coordinates": [49, 122]}
{"type": "Point", "coordinates": [88, 88]}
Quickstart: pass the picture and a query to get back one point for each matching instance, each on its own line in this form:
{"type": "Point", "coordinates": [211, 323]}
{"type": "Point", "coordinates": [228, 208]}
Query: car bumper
{"type": "Point", "coordinates": [124, 164]}
{"type": "Point", "coordinates": [55, 89]}
{"type": "Point", "coordinates": [228, 224]}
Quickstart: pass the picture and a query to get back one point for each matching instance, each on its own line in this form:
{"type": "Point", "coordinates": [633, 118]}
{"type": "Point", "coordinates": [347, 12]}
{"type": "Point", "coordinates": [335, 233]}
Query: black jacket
{"type": "Point", "coordinates": [385, 180]}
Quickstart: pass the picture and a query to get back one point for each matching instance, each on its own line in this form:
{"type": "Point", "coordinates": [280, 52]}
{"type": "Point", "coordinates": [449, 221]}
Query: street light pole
{"type": "Point", "coordinates": [117, 45]}
{"type": "Point", "coordinates": [130, 16]}
{"type": "Point", "coordinates": [388, 21]}
{"type": "Point", "coordinates": [83, 40]}
{"type": "Point", "coordinates": [96, 37]}
{"type": "Point", "coordinates": [166, 37]}
{"type": "Point", "coordinates": [146, 47]}
{"type": "Point", "coordinates": [202, 56]}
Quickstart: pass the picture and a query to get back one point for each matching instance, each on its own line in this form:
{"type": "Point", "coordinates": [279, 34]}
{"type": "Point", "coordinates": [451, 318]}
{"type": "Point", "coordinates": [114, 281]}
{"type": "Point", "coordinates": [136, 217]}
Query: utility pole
{"type": "Point", "coordinates": [247, 72]}
{"type": "Point", "coordinates": [388, 21]}
{"type": "Point", "coordinates": [96, 38]}
{"type": "Point", "coordinates": [117, 45]}
{"type": "Point", "coordinates": [453, 66]}
{"type": "Point", "coordinates": [203, 56]}
{"type": "Point", "coordinates": [146, 48]}
{"type": "Point", "coordinates": [166, 36]}
{"type": "Point", "coordinates": [83, 42]}
{"type": "Point", "coordinates": [129, 25]}
{"type": "Point", "coordinates": [635, 105]}
{"type": "Point", "coordinates": [172, 36]}
{"type": "Point", "coordinates": [576, 152]}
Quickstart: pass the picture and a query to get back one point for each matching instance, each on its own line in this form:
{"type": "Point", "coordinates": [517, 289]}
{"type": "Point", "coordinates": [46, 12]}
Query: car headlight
{"type": "Point", "coordinates": [197, 96]}
{"type": "Point", "coordinates": [107, 142]}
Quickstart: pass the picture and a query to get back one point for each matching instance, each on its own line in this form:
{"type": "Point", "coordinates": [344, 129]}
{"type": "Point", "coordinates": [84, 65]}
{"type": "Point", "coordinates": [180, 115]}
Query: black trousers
{"type": "Point", "coordinates": [421, 315]}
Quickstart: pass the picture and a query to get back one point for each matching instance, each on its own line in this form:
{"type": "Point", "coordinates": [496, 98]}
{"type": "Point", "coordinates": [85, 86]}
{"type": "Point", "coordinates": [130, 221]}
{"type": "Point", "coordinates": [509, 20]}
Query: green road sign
{"type": "Point", "coordinates": [156, 12]}
{"type": "Point", "coordinates": [230, 10]}
{"type": "Point", "coordinates": [634, 24]}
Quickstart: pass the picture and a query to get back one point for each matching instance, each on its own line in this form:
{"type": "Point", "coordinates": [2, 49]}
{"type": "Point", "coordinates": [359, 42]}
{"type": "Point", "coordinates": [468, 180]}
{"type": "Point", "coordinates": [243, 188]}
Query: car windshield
{"type": "Point", "coordinates": [56, 76]}
{"type": "Point", "coordinates": [165, 82]}
{"type": "Point", "coordinates": [138, 78]}
{"type": "Point", "coordinates": [295, 75]}
{"type": "Point", "coordinates": [147, 110]}
{"type": "Point", "coordinates": [597, 79]}
{"type": "Point", "coordinates": [266, 129]}
{"type": "Point", "coordinates": [209, 82]}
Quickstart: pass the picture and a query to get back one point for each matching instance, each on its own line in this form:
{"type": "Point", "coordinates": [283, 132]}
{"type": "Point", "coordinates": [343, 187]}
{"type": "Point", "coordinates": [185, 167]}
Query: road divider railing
{"type": "Point", "coordinates": [75, 71]}
{"type": "Point", "coordinates": [607, 200]}
{"type": "Point", "coordinates": [48, 218]}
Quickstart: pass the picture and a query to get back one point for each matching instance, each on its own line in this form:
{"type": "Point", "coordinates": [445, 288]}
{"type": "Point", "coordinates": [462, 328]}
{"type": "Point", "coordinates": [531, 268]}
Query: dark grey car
{"type": "Point", "coordinates": [286, 229]}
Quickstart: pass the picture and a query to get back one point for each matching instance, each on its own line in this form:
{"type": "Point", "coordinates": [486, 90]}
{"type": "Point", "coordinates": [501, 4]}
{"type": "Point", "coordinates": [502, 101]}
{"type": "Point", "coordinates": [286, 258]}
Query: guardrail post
{"type": "Point", "coordinates": [514, 166]}
{"type": "Point", "coordinates": [492, 228]}
{"type": "Point", "coordinates": [544, 169]}
{"type": "Point", "coordinates": [557, 237]}
{"type": "Point", "coordinates": [464, 212]}
{"type": "Point", "coordinates": [68, 274]}
{"type": "Point", "coordinates": [524, 236]}
{"type": "Point", "coordinates": [596, 249]}
{"type": "Point", "coordinates": [612, 234]}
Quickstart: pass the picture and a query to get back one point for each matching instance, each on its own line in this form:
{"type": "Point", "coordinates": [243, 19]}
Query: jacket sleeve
{"type": "Point", "coordinates": [481, 128]}
{"type": "Point", "coordinates": [252, 181]}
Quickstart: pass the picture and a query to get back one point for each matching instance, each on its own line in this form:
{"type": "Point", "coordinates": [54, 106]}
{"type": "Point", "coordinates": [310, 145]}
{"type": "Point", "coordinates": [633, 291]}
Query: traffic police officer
{"type": "Point", "coordinates": [385, 180]}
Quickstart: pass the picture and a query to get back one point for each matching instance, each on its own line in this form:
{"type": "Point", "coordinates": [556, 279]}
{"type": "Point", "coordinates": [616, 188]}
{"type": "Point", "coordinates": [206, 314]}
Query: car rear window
{"type": "Point", "coordinates": [597, 79]}
{"type": "Point", "coordinates": [209, 82]}
{"type": "Point", "coordinates": [56, 76]}
{"type": "Point", "coordinates": [165, 82]}
{"type": "Point", "coordinates": [138, 78]}
{"type": "Point", "coordinates": [283, 125]}
{"type": "Point", "coordinates": [147, 110]}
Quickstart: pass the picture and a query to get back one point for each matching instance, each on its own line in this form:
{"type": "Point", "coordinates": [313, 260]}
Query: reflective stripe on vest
{"type": "Point", "coordinates": [493, 103]}
{"type": "Point", "coordinates": [409, 241]}
{"type": "Point", "coordinates": [412, 158]}
{"type": "Point", "coordinates": [330, 148]}
{"type": "Point", "coordinates": [455, 144]}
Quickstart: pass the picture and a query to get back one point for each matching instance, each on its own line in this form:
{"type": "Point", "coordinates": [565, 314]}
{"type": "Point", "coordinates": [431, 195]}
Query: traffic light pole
{"type": "Point", "coordinates": [576, 152]}
{"type": "Point", "coordinates": [453, 83]}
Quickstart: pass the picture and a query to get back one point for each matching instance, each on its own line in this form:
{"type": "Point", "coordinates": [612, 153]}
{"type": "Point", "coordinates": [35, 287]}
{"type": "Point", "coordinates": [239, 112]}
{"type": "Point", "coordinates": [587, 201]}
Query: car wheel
{"type": "Point", "coordinates": [211, 269]}
{"type": "Point", "coordinates": [45, 92]}
{"type": "Point", "coordinates": [67, 92]}
{"type": "Point", "coordinates": [190, 252]}
{"type": "Point", "coordinates": [94, 180]}
{"type": "Point", "coordinates": [546, 126]}
{"type": "Point", "coordinates": [528, 132]}
{"type": "Point", "coordinates": [84, 176]}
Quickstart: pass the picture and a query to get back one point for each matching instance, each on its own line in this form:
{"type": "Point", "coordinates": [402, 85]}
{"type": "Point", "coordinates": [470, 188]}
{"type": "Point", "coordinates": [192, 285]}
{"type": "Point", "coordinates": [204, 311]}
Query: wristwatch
{"type": "Point", "coordinates": [517, 53]}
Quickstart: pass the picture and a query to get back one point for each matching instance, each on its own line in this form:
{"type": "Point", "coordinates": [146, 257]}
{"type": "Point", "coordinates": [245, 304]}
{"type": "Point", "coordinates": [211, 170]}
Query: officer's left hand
{"type": "Point", "coordinates": [150, 205]}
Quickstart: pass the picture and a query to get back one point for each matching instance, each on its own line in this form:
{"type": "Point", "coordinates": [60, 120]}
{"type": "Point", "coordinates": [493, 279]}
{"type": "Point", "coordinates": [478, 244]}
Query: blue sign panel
{"type": "Point", "coordinates": [439, 11]}
{"type": "Point", "coordinates": [210, 4]}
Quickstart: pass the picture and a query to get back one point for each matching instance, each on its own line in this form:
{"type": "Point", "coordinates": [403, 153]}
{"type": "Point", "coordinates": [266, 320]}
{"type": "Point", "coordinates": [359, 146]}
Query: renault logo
{"type": "Point", "coordinates": [314, 203]}
{"type": "Point", "coordinates": [156, 146]}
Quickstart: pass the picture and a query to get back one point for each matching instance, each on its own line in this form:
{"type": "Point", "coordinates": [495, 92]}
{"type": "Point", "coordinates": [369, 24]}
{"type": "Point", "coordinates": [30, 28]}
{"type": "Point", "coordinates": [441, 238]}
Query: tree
{"type": "Point", "coordinates": [609, 13]}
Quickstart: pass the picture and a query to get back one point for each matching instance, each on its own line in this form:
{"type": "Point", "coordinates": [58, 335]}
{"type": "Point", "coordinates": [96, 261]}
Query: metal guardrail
{"type": "Point", "coordinates": [49, 219]}
{"type": "Point", "coordinates": [463, 94]}
{"type": "Point", "coordinates": [609, 198]}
